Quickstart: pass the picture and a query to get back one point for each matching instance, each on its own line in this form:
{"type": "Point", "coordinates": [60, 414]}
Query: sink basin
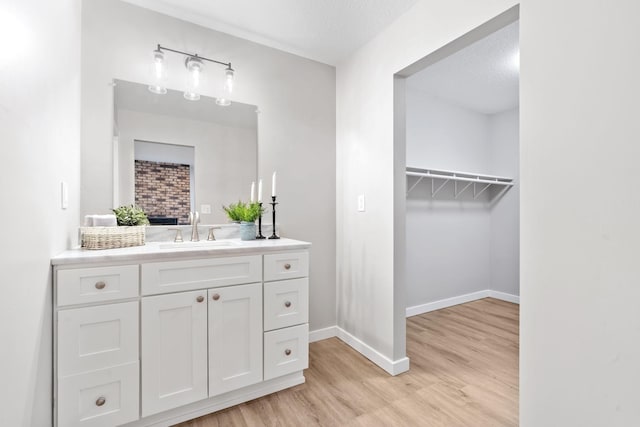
{"type": "Point", "coordinates": [202, 244]}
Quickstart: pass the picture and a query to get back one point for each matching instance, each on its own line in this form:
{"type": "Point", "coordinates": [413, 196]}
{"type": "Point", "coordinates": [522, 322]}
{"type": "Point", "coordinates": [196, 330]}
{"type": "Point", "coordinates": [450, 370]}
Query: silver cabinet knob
{"type": "Point", "coordinates": [200, 298]}
{"type": "Point", "coordinates": [101, 401]}
{"type": "Point", "coordinates": [287, 304]}
{"type": "Point", "coordinates": [287, 266]}
{"type": "Point", "coordinates": [100, 285]}
{"type": "Point", "coordinates": [215, 297]}
{"type": "Point", "coordinates": [287, 352]}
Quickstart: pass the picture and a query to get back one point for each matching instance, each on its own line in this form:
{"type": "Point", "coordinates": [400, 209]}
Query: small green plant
{"type": "Point", "coordinates": [245, 212]}
{"type": "Point", "coordinates": [130, 215]}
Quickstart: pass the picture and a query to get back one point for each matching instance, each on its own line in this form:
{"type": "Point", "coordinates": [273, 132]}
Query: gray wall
{"type": "Point", "coordinates": [448, 240]}
{"type": "Point", "coordinates": [40, 134]}
{"type": "Point", "coordinates": [504, 160]}
{"type": "Point", "coordinates": [296, 126]}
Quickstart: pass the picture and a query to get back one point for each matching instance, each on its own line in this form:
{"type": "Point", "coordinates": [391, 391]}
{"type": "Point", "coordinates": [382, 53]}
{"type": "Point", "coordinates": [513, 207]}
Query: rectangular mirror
{"type": "Point", "coordinates": [173, 156]}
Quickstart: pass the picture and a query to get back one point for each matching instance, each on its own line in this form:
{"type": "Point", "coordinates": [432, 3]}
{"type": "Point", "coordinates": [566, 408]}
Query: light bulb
{"type": "Point", "coordinates": [194, 66]}
{"type": "Point", "coordinates": [159, 73]}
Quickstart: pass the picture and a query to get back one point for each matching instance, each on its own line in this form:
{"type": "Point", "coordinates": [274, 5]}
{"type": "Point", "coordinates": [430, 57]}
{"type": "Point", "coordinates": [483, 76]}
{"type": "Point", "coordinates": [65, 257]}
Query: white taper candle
{"type": "Point", "coordinates": [260, 191]}
{"type": "Point", "coordinates": [273, 185]}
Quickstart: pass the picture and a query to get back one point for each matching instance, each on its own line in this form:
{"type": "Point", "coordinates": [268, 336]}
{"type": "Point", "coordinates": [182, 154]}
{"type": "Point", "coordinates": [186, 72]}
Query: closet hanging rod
{"type": "Point", "coordinates": [482, 179]}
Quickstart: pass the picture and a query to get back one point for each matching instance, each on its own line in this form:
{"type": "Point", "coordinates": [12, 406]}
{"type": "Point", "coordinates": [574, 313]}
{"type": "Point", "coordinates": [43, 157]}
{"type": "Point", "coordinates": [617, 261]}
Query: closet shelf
{"type": "Point", "coordinates": [456, 176]}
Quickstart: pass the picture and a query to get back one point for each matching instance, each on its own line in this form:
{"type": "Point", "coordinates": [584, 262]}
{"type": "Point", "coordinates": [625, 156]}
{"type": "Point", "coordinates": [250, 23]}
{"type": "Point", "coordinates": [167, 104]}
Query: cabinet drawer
{"type": "Point", "coordinates": [286, 266]}
{"type": "Point", "coordinates": [286, 303]}
{"type": "Point", "coordinates": [286, 351]}
{"type": "Point", "coordinates": [84, 285]}
{"type": "Point", "coordinates": [107, 397]}
{"type": "Point", "coordinates": [176, 276]}
{"type": "Point", "coordinates": [97, 337]}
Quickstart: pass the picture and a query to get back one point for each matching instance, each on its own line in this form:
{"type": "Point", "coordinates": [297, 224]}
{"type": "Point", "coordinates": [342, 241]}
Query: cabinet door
{"type": "Point", "coordinates": [235, 337]}
{"type": "Point", "coordinates": [174, 350]}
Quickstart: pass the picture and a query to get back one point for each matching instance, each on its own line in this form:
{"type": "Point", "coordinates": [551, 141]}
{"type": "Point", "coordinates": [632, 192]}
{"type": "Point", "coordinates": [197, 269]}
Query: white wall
{"type": "Point", "coordinates": [579, 225]}
{"type": "Point", "coordinates": [296, 126]}
{"type": "Point", "coordinates": [40, 134]}
{"type": "Point", "coordinates": [504, 160]}
{"type": "Point", "coordinates": [225, 157]}
{"type": "Point", "coordinates": [448, 240]}
{"type": "Point", "coordinates": [580, 343]}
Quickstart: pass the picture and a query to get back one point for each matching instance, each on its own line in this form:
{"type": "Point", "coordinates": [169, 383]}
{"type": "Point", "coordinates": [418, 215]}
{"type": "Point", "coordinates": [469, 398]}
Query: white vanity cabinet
{"type": "Point", "coordinates": [169, 336]}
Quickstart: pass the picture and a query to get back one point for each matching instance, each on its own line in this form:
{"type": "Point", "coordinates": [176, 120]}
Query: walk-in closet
{"type": "Point", "coordinates": [462, 148]}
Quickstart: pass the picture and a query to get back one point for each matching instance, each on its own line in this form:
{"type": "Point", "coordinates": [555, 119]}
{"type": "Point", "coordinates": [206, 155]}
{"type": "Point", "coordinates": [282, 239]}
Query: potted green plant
{"type": "Point", "coordinates": [246, 214]}
{"type": "Point", "coordinates": [130, 216]}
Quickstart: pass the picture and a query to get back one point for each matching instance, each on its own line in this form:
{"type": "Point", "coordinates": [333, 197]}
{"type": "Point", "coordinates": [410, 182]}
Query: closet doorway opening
{"type": "Point", "coordinates": [456, 139]}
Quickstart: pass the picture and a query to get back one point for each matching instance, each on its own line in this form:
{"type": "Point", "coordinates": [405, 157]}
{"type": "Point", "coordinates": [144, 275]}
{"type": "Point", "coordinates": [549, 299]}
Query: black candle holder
{"type": "Point", "coordinates": [260, 236]}
{"type": "Point", "coordinates": [273, 210]}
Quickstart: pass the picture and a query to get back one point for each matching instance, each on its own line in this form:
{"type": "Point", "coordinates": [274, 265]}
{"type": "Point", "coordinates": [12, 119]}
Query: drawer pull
{"type": "Point", "coordinates": [287, 266]}
{"type": "Point", "coordinates": [287, 304]}
{"type": "Point", "coordinates": [215, 297]}
{"type": "Point", "coordinates": [101, 401]}
{"type": "Point", "coordinates": [200, 298]}
{"type": "Point", "coordinates": [287, 352]}
{"type": "Point", "coordinates": [100, 285]}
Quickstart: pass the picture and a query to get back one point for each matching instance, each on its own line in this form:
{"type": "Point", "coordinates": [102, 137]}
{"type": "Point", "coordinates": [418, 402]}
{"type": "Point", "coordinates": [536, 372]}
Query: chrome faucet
{"type": "Point", "coordinates": [194, 219]}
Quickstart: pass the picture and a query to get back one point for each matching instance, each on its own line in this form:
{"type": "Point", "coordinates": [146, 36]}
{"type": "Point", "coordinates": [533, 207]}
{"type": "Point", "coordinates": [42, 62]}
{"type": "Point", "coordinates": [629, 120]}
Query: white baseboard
{"type": "Point", "coordinates": [505, 297]}
{"type": "Point", "coordinates": [450, 302]}
{"type": "Point", "coordinates": [393, 367]}
{"type": "Point", "coordinates": [444, 303]}
{"type": "Point", "coordinates": [323, 334]}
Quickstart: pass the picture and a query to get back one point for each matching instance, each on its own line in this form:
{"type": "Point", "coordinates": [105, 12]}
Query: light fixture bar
{"type": "Point", "coordinates": [195, 55]}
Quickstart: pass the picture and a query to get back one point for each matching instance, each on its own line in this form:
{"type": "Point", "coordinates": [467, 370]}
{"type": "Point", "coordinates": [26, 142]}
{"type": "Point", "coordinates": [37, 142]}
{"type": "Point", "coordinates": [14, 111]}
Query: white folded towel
{"type": "Point", "coordinates": [108, 220]}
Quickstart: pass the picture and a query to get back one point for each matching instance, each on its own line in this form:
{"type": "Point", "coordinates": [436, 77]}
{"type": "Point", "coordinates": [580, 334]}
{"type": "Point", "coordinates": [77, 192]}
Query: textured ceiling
{"type": "Point", "coordinates": [323, 30]}
{"type": "Point", "coordinates": [482, 77]}
{"type": "Point", "coordinates": [136, 97]}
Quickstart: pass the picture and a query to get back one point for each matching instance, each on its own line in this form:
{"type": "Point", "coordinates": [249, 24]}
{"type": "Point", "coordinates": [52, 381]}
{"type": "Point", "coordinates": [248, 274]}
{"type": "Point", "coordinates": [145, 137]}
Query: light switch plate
{"type": "Point", "coordinates": [205, 209]}
{"type": "Point", "coordinates": [361, 203]}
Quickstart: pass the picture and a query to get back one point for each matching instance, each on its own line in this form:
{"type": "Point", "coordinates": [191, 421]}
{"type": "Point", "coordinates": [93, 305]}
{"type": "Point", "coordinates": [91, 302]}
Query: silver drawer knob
{"type": "Point", "coordinates": [101, 401]}
{"type": "Point", "coordinates": [100, 285]}
{"type": "Point", "coordinates": [287, 304]}
{"type": "Point", "coordinates": [200, 298]}
{"type": "Point", "coordinates": [287, 352]}
{"type": "Point", "coordinates": [287, 266]}
{"type": "Point", "coordinates": [215, 297]}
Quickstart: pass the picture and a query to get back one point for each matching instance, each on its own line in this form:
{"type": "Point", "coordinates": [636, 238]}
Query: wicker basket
{"type": "Point", "coordinates": [112, 237]}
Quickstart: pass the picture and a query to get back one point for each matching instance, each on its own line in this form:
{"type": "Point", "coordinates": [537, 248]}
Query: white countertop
{"type": "Point", "coordinates": [154, 251]}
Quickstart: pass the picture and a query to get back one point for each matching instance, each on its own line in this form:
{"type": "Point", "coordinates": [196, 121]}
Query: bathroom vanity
{"type": "Point", "coordinates": [163, 333]}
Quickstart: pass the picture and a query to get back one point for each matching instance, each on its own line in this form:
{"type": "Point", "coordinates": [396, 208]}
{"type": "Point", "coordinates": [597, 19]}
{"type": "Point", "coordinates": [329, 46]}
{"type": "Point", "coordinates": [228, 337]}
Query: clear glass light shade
{"type": "Point", "coordinates": [228, 80]}
{"type": "Point", "coordinates": [194, 67]}
{"type": "Point", "coordinates": [223, 100]}
{"type": "Point", "coordinates": [159, 73]}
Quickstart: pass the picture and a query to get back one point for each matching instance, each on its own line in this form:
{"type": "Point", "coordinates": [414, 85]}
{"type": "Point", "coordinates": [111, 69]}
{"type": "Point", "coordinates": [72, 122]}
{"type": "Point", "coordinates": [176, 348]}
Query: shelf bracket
{"type": "Point", "coordinates": [456, 193]}
{"type": "Point", "coordinates": [434, 192]}
{"type": "Point", "coordinates": [476, 195]}
{"type": "Point", "coordinates": [415, 184]}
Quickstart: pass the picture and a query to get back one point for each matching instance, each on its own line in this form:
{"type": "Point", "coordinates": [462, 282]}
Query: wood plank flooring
{"type": "Point", "coordinates": [464, 372]}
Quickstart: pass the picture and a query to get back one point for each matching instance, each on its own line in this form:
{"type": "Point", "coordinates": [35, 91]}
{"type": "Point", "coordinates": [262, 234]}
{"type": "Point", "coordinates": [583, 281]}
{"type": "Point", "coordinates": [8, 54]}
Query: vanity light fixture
{"type": "Point", "coordinates": [194, 64]}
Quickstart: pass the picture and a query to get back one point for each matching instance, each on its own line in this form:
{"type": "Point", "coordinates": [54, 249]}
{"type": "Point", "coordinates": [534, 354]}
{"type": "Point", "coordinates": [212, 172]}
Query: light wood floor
{"type": "Point", "coordinates": [464, 372]}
